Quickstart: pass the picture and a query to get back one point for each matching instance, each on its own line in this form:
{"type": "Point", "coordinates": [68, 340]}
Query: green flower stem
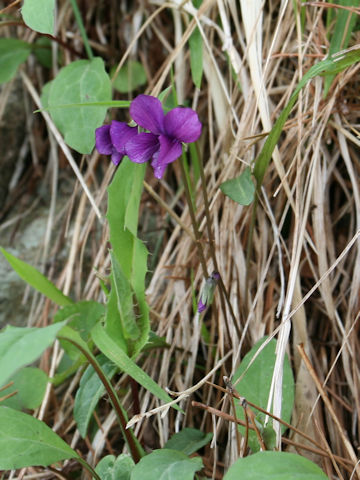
{"type": "Point", "coordinates": [82, 29]}
{"type": "Point", "coordinates": [193, 218]}
{"type": "Point", "coordinates": [133, 444]}
{"type": "Point", "coordinates": [223, 291]}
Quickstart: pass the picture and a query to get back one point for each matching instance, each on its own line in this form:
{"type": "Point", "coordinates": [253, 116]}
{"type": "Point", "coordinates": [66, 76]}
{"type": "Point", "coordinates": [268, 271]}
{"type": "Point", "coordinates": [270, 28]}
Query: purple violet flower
{"type": "Point", "coordinates": [207, 293]}
{"type": "Point", "coordinates": [201, 306]}
{"type": "Point", "coordinates": [111, 139]}
{"type": "Point", "coordinates": [163, 143]}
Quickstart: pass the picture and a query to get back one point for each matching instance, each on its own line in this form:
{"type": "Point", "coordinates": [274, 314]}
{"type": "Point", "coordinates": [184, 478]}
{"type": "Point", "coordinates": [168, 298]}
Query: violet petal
{"type": "Point", "coordinates": [170, 150]}
{"type": "Point", "coordinates": [120, 134]}
{"type": "Point", "coordinates": [183, 124]}
{"type": "Point", "coordinates": [142, 147]}
{"type": "Point", "coordinates": [116, 157]}
{"type": "Point", "coordinates": [201, 306]}
{"type": "Point", "coordinates": [103, 141]}
{"type": "Point", "coordinates": [148, 113]}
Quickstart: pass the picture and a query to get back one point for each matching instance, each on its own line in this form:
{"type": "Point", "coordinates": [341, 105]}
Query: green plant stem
{"type": "Point", "coordinates": [133, 444]}
{"type": "Point", "coordinates": [82, 29]}
{"type": "Point", "coordinates": [223, 291]}
{"type": "Point", "coordinates": [193, 218]}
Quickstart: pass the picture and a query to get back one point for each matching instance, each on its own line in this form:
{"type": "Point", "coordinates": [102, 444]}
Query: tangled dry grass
{"type": "Point", "coordinates": [298, 279]}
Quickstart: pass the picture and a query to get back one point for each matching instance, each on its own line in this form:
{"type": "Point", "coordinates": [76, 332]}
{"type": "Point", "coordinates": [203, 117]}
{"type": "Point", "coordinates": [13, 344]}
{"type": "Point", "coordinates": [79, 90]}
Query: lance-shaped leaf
{"type": "Point", "coordinates": [124, 196]}
{"type": "Point", "coordinates": [22, 346]}
{"type": "Point", "coordinates": [26, 441]}
{"type": "Point", "coordinates": [36, 279]}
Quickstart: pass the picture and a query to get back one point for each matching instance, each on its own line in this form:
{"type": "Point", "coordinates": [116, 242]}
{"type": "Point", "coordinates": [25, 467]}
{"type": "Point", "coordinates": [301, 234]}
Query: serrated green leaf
{"type": "Point", "coordinates": [111, 468]}
{"type": "Point", "coordinates": [241, 189]}
{"type": "Point", "coordinates": [188, 440]}
{"type": "Point", "coordinates": [30, 385]}
{"type": "Point", "coordinates": [125, 301]}
{"type": "Point", "coordinates": [131, 76]}
{"type": "Point", "coordinates": [110, 348]}
{"type": "Point", "coordinates": [36, 279]}
{"type": "Point", "coordinates": [13, 53]}
{"type": "Point", "coordinates": [124, 196]}
{"type": "Point", "coordinates": [255, 384]}
{"type": "Point", "coordinates": [39, 15]}
{"type": "Point", "coordinates": [196, 57]}
{"type": "Point", "coordinates": [274, 466]}
{"type": "Point", "coordinates": [31, 342]}
{"type": "Point", "coordinates": [90, 390]}
{"type": "Point", "coordinates": [26, 442]}
{"type": "Point", "coordinates": [81, 81]}
{"type": "Point", "coordinates": [166, 464]}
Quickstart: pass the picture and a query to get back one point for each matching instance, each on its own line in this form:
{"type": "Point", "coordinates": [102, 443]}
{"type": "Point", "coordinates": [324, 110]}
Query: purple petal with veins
{"type": "Point", "coordinates": [169, 151]}
{"type": "Point", "coordinates": [183, 124]}
{"type": "Point", "coordinates": [142, 147]}
{"type": "Point", "coordinates": [148, 113]}
{"type": "Point", "coordinates": [116, 157]}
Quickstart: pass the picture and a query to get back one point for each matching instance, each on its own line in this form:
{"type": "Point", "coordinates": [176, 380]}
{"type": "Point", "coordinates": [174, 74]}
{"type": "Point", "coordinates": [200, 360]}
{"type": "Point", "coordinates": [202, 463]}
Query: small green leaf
{"type": "Point", "coordinates": [36, 279]}
{"type": "Point", "coordinates": [196, 57]}
{"type": "Point", "coordinates": [30, 384]}
{"type": "Point", "coordinates": [13, 53]}
{"type": "Point", "coordinates": [79, 82]}
{"type": "Point", "coordinates": [131, 76]}
{"type": "Point", "coordinates": [274, 466]}
{"type": "Point", "coordinates": [31, 342]}
{"type": "Point", "coordinates": [240, 189]}
{"type": "Point", "coordinates": [188, 440]}
{"type": "Point", "coordinates": [110, 348]}
{"type": "Point", "coordinates": [154, 341]}
{"type": "Point", "coordinates": [166, 464]}
{"type": "Point", "coordinates": [39, 15]}
{"type": "Point", "coordinates": [111, 468]}
{"type": "Point", "coordinates": [26, 442]}
{"type": "Point", "coordinates": [90, 391]}
{"type": "Point", "coordinates": [255, 386]}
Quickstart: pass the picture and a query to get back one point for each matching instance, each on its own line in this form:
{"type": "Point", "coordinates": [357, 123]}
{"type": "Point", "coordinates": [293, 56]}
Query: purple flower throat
{"type": "Point", "coordinates": [162, 143]}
